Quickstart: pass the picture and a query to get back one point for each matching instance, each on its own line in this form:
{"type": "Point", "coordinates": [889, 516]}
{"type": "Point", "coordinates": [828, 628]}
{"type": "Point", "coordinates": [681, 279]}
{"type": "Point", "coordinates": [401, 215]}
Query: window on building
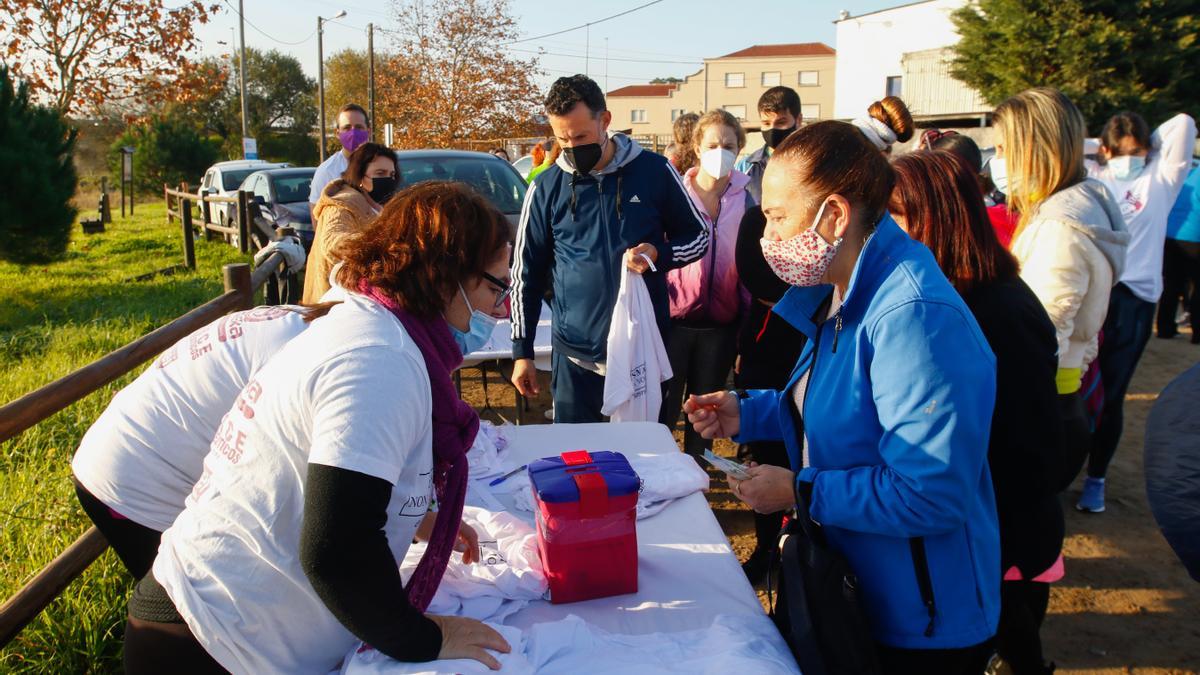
{"type": "Point", "coordinates": [677, 113]}
{"type": "Point", "coordinates": [735, 79]}
{"type": "Point", "coordinates": [637, 116]}
{"type": "Point", "coordinates": [894, 86]}
{"type": "Point", "coordinates": [770, 79]}
{"type": "Point", "coordinates": [808, 78]}
{"type": "Point", "coordinates": [811, 111]}
{"type": "Point", "coordinates": [738, 111]}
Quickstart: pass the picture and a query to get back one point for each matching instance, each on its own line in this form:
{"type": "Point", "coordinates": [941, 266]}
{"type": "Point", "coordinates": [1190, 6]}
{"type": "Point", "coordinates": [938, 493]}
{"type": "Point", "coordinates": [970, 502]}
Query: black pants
{"type": "Point", "coordinates": [578, 392]}
{"type": "Point", "coordinates": [1181, 267]}
{"type": "Point", "coordinates": [1022, 610]}
{"type": "Point", "coordinates": [1126, 332]}
{"type": "Point", "coordinates": [1077, 436]}
{"type": "Point", "coordinates": [965, 661]}
{"type": "Point", "coordinates": [156, 638]}
{"type": "Point", "coordinates": [701, 358]}
{"type": "Point", "coordinates": [136, 545]}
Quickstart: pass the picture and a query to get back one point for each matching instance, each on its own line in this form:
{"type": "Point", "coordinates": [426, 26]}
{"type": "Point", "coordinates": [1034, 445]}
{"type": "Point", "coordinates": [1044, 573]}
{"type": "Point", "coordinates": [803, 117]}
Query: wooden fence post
{"type": "Point", "coordinates": [237, 278]}
{"type": "Point", "coordinates": [189, 246]}
{"type": "Point", "coordinates": [167, 199]}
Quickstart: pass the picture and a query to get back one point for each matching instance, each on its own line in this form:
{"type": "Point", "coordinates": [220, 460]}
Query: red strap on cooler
{"type": "Point", "coordinates": [593, 491]}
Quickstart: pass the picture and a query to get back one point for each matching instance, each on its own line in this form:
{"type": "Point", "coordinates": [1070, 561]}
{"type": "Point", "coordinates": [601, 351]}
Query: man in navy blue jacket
{"type": "Point", "coordinates": [603, 204]}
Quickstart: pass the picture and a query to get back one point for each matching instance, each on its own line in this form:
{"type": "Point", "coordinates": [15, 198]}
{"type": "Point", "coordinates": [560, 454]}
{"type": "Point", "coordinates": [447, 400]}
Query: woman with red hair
{"type": "Point", "coordinates": [938, 202]}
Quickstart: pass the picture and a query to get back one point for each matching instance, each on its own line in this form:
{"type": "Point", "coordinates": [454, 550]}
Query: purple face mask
{"type": "Point", "coordinates": [352, 138]}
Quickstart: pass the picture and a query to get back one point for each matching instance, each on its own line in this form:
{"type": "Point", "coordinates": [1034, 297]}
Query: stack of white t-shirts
{"type": "Point", "coordinates": [637, 362]}
{"type": "Point", "coordinates": [664, 478]}
{"type": "Point", "coordinates": [507, 577]}
{"type": "Point", "coordinates": [732, 644]}
{"type": "Point", "coordinates": [487, 456]}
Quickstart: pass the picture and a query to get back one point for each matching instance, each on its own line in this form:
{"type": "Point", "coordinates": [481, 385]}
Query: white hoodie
{"type": "Point", "coordinates": [1072, 252]}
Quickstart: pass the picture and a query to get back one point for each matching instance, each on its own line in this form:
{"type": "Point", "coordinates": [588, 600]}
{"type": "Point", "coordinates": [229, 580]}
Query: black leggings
{"type": "Point", "coordinates": [1077, 436]}
{"type": "Point", "coordinates": [965, 661]}
{"type": "Point", "coordinates": [136, 545]}
{"type": "Point", "coordinates": [156, 638]}
{"type": "Point", "coordinates": [1181, 267]}
{"type": "Point", "coordinates": [1018, 640]}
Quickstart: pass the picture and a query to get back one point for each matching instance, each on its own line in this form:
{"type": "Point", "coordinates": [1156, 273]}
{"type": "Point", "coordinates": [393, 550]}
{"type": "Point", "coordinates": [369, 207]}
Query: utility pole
{"type": "Point", "coordinates": [371, 76]}
{"type": "Point", "coordinates": [321, 84]}
{"type": "Point", "coordinates": [321, 74]}
{"type": "Point", "coordinates": [587, 51]}
{"type": "Point", "coordinates": [606, 65]}
{"type": "Point", "coordinates": [242, 75]}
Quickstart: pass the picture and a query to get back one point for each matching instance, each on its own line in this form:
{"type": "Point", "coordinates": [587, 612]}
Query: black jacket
{"type": "Point", "coordinates": [1025, 450]}
{"type": "Point", "coordinates": [768, 345]}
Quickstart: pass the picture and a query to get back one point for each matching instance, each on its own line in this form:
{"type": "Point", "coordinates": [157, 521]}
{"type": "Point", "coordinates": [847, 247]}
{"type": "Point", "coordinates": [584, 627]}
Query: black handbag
{"type": "Point", "coordinates": [818, 610]}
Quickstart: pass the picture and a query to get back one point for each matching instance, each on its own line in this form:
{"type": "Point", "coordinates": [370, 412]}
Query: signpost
{"type": "Point", "coordinates": [127, 178]}
{"type": "Point", "coordinates": [249, 148]}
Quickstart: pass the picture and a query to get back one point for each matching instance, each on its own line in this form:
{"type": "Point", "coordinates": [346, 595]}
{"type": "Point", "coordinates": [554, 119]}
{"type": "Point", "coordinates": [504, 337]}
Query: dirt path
{"type": "Point", "coordinates": [1126, 606]}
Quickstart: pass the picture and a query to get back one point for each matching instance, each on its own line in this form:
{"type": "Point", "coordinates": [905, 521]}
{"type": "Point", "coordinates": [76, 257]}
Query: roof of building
{"type": "Point", "coordinates": [644, 90]}
{"type": "Point", "coordinates": [796, 49]}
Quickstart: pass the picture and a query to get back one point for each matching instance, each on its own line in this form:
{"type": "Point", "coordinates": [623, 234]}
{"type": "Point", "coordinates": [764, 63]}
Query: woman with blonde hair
{"type": "Point", "coordinates": [1070, 238]}
{"type": "Point", "coordinates": [707, 299]}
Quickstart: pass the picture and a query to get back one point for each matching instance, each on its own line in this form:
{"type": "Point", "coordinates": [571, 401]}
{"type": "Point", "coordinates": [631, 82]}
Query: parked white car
{"type": "Point", "coordinates": [224, 179]}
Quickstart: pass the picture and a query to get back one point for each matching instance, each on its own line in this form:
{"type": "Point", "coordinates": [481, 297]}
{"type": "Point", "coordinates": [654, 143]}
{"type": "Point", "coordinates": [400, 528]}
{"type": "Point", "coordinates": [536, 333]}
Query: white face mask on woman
{"type": "Point", "coordinates": [1127, 167]}
{"type": "Point", "coordinates": [717, 162]}
{"type": "Point", "coordinates": [801, 260]}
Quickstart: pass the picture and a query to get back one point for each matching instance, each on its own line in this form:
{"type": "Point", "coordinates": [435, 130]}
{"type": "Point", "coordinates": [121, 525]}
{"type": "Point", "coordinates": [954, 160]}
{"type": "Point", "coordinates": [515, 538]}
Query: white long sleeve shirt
{"type": "Point", "coordinates": [1146, 201]}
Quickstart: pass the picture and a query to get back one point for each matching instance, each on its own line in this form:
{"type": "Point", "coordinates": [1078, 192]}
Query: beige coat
{"type": "Point", "coordinates": [341, 211]}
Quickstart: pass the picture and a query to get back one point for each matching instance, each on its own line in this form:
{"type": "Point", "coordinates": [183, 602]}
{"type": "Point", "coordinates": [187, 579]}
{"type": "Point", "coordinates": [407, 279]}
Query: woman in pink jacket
{"type": "Point", "coordinates": [707, 299]}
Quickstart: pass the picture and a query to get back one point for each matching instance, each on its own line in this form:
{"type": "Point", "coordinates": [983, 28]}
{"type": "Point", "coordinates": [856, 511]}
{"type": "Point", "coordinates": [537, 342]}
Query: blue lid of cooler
{"type": "Point", "coordinates": [554, 478]}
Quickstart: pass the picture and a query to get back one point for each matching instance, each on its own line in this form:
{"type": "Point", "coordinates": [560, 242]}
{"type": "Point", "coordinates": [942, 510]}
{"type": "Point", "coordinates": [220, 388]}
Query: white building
{"type": "Point", "coordinates": [903, 51]}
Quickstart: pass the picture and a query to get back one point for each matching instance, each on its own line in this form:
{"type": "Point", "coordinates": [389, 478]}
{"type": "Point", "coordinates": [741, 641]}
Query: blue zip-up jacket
{"type": "Point", "coordinates": [575, 230]}
{"type": "Point", "coordinates": [897, 418]}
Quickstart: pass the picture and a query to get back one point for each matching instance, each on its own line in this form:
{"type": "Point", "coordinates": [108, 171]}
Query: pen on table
{"type": "Point", "coordinates": [508, 475]}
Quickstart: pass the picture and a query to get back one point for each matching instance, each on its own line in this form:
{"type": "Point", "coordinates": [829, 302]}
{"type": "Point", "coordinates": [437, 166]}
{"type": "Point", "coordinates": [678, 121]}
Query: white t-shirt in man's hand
{"type": "Point", "coordinates": [330, 170]}
{"type": "Point", "coordinates": [351, 392]}
{"type": "Point", "coordinates": [146, 450]}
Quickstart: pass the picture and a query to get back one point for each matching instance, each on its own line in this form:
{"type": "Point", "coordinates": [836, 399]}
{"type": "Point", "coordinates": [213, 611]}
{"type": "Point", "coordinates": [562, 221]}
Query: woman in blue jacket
{"type": "Point", "coordinates": [895, 388]}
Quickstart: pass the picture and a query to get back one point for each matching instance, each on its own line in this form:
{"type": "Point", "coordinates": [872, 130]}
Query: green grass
{"type": "Point", "coordinates": [53, 320]}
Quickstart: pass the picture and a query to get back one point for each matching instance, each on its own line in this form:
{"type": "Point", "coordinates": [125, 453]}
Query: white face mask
{"type": "Point", "coordinates": [717, 162]}
{"type": "Point", "coordinates": [999, 172]}
{"type": "Point", "coordinates": [1127, 167]}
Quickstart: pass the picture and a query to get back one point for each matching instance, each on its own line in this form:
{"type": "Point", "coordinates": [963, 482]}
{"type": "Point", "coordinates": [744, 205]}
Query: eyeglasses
{"type": "Point", "coordinates": [505, 288]}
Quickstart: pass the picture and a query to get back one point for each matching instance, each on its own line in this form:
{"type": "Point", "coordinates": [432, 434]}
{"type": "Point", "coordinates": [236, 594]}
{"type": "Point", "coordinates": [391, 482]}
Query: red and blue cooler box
{"type": "Point", "coordinates": [587, 524]}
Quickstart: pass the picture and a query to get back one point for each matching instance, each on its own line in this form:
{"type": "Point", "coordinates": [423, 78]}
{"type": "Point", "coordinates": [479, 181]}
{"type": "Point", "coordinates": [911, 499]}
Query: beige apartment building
{"type": "Point", "coordinates": [733, 82]}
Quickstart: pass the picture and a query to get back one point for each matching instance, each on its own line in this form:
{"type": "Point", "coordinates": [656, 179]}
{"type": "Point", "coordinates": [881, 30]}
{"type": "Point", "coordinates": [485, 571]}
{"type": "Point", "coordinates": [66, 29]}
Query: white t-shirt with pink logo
{"type": "Point", "coordinates": [1146, 201]}
{"type": "Point", "coordinates": [352, 392]}
{"type": "Point", "coordinates": [146, 450]}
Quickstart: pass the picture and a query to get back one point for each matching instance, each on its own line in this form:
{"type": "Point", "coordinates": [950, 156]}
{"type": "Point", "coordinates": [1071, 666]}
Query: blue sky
{"type": "Point", "coordinates": [668, 38]}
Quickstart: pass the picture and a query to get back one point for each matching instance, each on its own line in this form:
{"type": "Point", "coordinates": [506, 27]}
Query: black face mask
{"type": "Point", "coordinates": [382, 188]}
{"type": "Point", "coordinates": [773, 137]}
{"type": "Point", "coordinates": [583, 158]}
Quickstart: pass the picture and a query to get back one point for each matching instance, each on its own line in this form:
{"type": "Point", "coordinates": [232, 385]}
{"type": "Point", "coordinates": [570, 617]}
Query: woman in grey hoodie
{"type": "Point", "coordinates": [1070, 239]}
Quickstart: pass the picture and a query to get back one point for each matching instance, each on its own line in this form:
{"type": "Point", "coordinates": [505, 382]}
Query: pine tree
{"type": "Point", "coordinates": [37, 174]}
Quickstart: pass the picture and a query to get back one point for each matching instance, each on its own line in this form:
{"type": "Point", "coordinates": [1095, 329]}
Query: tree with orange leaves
{"type": "Point", "coordinates": [457, 80]}
{"type": "Point", "coordinates": [77, 55]}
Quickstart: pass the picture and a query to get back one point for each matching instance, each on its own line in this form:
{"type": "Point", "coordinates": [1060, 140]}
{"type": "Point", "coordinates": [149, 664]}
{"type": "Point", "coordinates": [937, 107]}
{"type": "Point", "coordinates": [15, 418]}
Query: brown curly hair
{"type": "Point", "coordinates": [430, 238]}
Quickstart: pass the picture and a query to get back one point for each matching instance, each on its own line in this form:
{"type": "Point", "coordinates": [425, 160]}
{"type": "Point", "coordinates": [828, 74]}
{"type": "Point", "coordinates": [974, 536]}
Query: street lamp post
{"type": "Point", "coordinates": [321, 75]}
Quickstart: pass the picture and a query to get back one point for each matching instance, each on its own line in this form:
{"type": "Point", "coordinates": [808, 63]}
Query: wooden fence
{"type": "Point", "coordinates": [188, 208]}
{"type": "Point", "coordinates": [240, 287]}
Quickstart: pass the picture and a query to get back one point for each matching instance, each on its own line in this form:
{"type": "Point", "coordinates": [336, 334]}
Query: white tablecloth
{"type": "Point", "coordinates": [687, 578]}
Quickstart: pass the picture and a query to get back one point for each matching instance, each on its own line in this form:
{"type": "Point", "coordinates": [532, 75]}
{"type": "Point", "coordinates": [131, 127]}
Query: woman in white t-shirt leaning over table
{"type": "Point", "coordinates": [326, 467]}
{"type": "Point", "coordinates": [140, 459]}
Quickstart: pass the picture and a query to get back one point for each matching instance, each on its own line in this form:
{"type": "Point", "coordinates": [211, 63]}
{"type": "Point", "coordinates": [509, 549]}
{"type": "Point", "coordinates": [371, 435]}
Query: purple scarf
{"type": "Point", "coordinates": [454, 427]}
